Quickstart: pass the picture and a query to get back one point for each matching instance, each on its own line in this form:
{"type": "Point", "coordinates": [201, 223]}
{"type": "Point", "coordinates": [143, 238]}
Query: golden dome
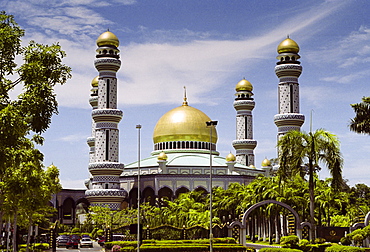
{"type": "Point", "coordinates": [162, 156]}
{"type": "Point", "coordinates": [230, 157]}
{"type": "Point", "coordinates": [266, 162]}
{"type": "Point", "coordinates": [183, 123]}
{"type": "Point", "coordinates": [244, 85]}
{"type": "Point", "coordinates": [95, 82]}
{"type": "Point", "coordinates": [107, 38]}
{"type": "Point", "coordinates": [288, 46]}
{"type": "Point", "coordinates": [252, 166]}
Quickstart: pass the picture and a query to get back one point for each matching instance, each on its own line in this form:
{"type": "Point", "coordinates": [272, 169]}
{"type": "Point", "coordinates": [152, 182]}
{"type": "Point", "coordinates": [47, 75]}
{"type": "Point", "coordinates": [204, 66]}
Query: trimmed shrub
{"type": "Point", "coordinates": [290, 241]}
{"type": "Point", "coordinates": [279, 250]}
{"type": "Point", "coordinates": [345, 240]}
{"type": "Point", "coordinates": [128, 249]}
{"type": "Point", "coordinates": [341, 248]}
{"type": "Point", "coordinates": [36, 246]}
{"type": "Point", "coordinates": [122, 244]}
{"type": "Point", "coordinates": [319, 240]}
{"type": "Point", "coordinates": [315, 247]}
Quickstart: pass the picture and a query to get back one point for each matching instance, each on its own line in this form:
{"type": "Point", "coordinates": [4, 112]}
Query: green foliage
{"type": "Point", "coordinates": [26, 186]}
{"type": "Point", "coordinates": [279, 250]}
{"type": "Point", "coordinates": [37, 246]}
{"type": "Point", "coordinates": [290, 241]}
{"type": "Point", "coordinates": [345, 240]}
{"type": "Point", "coordinates": [303, 242]}
{"type": "Point", "coordinates": [361, 122]}
{"type": "Point", "coordinates": [340, 248]}
{"type": "Point", "coordinates": [319, 240]}
{"type": "Point", "coordinates": [192, 245]}
{"type": "Point", "coordinates": [75, 230]}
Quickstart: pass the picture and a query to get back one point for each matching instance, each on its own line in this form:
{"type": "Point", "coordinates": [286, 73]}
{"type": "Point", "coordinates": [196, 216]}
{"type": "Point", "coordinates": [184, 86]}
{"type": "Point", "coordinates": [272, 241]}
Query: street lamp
{"type": "Point", "coordinates": [138, 188]}
{"type": "Point", "coordinates": [211, 125]}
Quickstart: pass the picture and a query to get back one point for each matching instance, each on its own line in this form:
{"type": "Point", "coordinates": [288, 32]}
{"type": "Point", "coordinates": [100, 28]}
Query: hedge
{"type": "Point", "coordinates": [122, 244]}
{"type": "Point", "coordinates": [40, 246]}
{"type": "Point", "coordinates": [219, 245]}
{"type": "Point", "coordinates": [315, 247]}
{"type": "Point", "coordinates": [341, 248]}
{"type": "Point", "coordinates": [279, 250]}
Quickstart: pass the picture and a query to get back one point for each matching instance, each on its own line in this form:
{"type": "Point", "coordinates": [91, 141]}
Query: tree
{"type": "Point", "coordinates": [300, 150]}
{"type": "Point", "coordinates": [23, 120]}
{"type": "Point", "coordinates": [361, 122]}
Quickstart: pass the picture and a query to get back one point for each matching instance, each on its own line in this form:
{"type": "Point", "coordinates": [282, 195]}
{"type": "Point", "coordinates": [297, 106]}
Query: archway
{"type": "Point", "coordinates": [181, 190]}
{"type": "Point", "coordinates": [68, 211]}
{"type": "Point", "coordinates": [247, 213]}
{"type": "Point", "coordinates": [165, 193]}
{"type": "Point", "coordinates": [149, 196]}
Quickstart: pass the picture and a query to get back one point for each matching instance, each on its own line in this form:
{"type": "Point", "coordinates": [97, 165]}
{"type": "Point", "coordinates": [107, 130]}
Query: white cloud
{"type": "Point", "coordinates": [155, 71]}
{"type": "Point", "coordinates": [72, 138]}
{"type": "Point", "coordinates": [73, 184]}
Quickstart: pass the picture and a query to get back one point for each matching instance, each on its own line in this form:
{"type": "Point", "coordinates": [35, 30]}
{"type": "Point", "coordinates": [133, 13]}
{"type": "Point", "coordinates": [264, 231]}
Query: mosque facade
{"type": "Point", "coordinates": [185, 147]}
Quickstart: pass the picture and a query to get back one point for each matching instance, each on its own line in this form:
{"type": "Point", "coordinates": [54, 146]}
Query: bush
{"type": "Point", "coordinates": [75, 230]}
{"type": "Point", "coordinates": [290, 241]}
{"type": "Point", "coordinates": [319, 240]}
{"type": "Point", "coordinates": [36, 246]}
{"type": "Point", "coordinates": [128, 249]}
{"type": "Point", "coordinates": [116, 248]}
{"type": "Point", "coordinates": [279, 250]}
{"type": "Point", "coordinates": [315, 247]}
{"type": "Point", "coordinates": [122, 244]}
{"type": "Point", "coordinates": [345, 240]}
{"type": "Point", "coordinates": [341, 248]}
{"type": "Point", "coordinates": [303, 243]}
{"type": "Point", "coordinates": [219, 245]}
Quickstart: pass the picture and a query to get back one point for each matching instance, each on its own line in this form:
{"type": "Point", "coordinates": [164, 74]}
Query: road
{"type": "Point", "coordinates": [96, 247]}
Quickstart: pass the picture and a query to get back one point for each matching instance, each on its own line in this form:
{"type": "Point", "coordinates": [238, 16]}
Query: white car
{"type": "Point", "coordinates": [86, 242]}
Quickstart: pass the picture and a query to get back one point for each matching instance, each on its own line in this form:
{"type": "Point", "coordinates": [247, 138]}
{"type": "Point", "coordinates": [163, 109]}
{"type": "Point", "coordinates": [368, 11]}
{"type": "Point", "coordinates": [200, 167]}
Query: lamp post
{"type": "Point", "coordinates": [138, 188]}
{"type": "Point", "coordinates": [211, 125]}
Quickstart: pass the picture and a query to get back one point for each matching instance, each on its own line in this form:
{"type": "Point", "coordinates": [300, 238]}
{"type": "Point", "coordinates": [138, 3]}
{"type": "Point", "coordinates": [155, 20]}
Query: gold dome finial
{"type": "Point", "coordinates": [266, 162]}
{"type": "Point", "coordinates": [288, 45]}
{"type": "Point", "coordinates": [162, 156]}
{"type": "Point", "coordinates": [244, 85]}
{"type": "Point", "coordinates": [107, 39]}
{"type": "Point", "coordinates": [95, 82]}
{"type": "Point", "coordinates": [185, 102]}
{"type": "Point", "coordinates": [230, 157]}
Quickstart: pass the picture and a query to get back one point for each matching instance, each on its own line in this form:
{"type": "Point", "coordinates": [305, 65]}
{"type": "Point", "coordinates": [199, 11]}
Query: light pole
{"type": "Point", "coordinates": [211, 125]}
{"type": "Point", "coordinates": [138, 188]}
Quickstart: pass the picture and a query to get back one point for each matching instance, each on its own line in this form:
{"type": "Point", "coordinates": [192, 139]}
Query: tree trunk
{"type": "Point", "coordinates": [15, 232]}
{"type": "Point", "coordinates": [29, 234]}
{"type": "Point", "coordinates": [312, 199]}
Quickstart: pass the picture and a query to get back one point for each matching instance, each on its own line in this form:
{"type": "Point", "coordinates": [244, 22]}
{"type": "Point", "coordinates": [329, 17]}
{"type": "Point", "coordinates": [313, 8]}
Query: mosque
{"type": "Point", "coordinates": [185, 141]}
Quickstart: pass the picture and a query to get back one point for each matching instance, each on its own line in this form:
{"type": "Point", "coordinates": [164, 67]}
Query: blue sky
{"type": "Point", "coordinates": [207, 46]}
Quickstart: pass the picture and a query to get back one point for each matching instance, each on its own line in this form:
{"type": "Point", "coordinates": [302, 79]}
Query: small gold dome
{"type": "Point", "coordinates": [266, 162]}
{"type": "Point", "coordinates": [288, 46]}
{"type": "Point", "coordinates": [107, 38]}
{"type": "Point", "coordinates": [230, 157]}
{"type": "Point", "coordinates": [183, 123]}
{"type": "Point", "coordinates": [252, 166]}
{"type": "Point", "coordinates": [162, 156]}
{"type": "Point", "coordinates": [244, 85]}
{"type": "Point", "coordinates": [95, 82]}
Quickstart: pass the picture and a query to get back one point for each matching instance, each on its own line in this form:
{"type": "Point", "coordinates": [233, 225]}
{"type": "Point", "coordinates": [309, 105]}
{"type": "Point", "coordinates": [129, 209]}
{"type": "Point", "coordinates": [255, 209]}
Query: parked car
{"type": "Point", "coordinates": [62, 241]}
{"type": "Point", "coordinates": [72, 243]}
{"type": "Point", "coordinates": [86, 242]}
{"type": "Point", "coordinates": [101, 241]}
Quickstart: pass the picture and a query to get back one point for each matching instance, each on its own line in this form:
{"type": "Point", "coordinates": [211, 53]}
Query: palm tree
{"type": "Point", "coordinates": [300, 151]}
{"type": "Point", "coordinates": [361, 122]}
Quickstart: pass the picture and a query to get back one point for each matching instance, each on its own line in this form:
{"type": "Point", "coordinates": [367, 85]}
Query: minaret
{"type": "Point", "coordinates": [104, 166]}
{"type": "Point", "coordinates": [288, 69]}
{"type": "Point", "coordinates": [94, 104]}
{"type": "Point", "coordinates": [244, 104]}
